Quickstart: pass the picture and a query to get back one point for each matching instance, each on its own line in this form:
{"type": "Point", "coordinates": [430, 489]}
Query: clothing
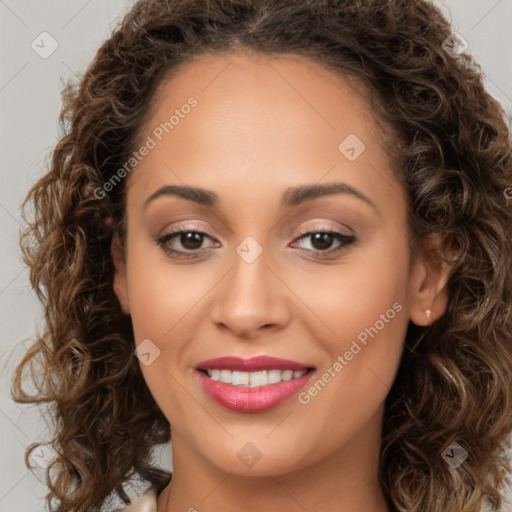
{"type": "Point", "coordinates": [146, 503]}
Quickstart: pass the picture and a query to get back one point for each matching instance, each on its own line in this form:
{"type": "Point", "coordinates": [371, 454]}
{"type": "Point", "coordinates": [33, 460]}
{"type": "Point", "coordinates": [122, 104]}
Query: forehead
{"type": "Point", "coordinates": [275, 118]}
{"type": "Point", "coordinates": [285, 88]}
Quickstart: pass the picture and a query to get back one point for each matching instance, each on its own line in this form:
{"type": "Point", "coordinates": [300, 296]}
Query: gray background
{"type": "Point", "coordinates": [29, 105]}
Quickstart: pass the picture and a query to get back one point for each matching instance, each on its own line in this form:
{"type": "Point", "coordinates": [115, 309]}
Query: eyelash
{"type": "Point", "coordinates": [345, 241]}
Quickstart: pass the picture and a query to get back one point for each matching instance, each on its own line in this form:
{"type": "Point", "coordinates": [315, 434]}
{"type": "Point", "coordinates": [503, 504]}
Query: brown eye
{"type": "Point", "coordinates": [183, 243]}
{"type": "Point", "coordinates": [321, 242]}
{"type": "Point", "coordinates": [191, 240]}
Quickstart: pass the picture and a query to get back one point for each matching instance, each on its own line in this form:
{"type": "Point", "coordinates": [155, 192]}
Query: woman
{"type": "Point", "coordinates": [279, 233]}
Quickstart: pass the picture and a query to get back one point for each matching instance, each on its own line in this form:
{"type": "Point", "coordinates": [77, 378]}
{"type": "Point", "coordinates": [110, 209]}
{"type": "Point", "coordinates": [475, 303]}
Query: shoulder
{"type": "Point", "coordinates": [146, 503]}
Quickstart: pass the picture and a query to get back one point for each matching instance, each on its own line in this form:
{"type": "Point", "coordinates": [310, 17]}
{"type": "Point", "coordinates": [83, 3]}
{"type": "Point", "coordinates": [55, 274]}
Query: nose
{"type": "Point", "coordinates": [250, 300]}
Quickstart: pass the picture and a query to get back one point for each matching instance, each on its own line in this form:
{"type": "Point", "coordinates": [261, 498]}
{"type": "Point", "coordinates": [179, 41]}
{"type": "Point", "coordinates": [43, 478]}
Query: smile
{"type": "Point", "coordinates": [252, 385]}
{"type": "Point", "coordinates": [253, 379]}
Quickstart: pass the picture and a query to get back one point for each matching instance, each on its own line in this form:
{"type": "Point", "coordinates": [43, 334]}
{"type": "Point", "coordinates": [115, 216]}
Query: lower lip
{"type": "Point", "coordinates": [257, 399]}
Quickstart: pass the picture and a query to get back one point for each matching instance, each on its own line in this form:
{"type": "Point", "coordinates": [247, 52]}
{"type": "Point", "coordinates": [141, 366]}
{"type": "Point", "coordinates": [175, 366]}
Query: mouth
{"type": "Point", "coordinates": [252, 385]}
{"type": "Point", "coordinates": [254, 379]}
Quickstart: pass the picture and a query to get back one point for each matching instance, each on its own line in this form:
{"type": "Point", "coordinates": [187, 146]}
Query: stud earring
{"type": "Point", "coordinates": [428, 313]}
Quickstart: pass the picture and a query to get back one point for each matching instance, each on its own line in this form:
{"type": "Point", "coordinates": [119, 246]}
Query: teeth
{"type": "Point", "coordinates": [226, 376]}
{"type": "Point", "coordinates": [253, 379]}
{"type": "Point", "coordinates": [239, 378]}
{"type": "Point", "coordinates": [287, 375]}
{"type": "Point", "coordinates": [273, 376]}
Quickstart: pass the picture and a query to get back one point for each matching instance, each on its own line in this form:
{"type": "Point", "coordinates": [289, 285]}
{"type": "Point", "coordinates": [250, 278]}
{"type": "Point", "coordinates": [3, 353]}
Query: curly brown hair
{"type": "Point", "coordinates": [454, 158]}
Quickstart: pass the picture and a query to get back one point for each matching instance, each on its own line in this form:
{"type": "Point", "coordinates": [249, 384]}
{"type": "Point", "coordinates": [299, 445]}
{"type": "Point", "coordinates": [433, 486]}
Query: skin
{"type": "Point", "coordinates": [263, 124]}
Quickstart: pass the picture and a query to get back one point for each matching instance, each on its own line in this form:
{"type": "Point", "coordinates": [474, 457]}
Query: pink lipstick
{"type": "Point", "coordinates": [252, 385]}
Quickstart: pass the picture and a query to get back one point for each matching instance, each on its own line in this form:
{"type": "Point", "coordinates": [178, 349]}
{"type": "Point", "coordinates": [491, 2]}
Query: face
{"type": "Point", "coordinates": [295, 248]}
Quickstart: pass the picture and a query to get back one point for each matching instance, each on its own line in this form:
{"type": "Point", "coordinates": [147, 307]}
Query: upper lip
{"type": "Point", "coordinates": [253, 364]}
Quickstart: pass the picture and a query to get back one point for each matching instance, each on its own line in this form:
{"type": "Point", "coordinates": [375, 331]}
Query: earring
{"type": "Point", "coordinates": [428, 313]}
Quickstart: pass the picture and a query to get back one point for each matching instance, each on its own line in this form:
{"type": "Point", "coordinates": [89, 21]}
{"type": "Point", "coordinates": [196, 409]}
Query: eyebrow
{"type": "Point", "coordinates": [292, 196]}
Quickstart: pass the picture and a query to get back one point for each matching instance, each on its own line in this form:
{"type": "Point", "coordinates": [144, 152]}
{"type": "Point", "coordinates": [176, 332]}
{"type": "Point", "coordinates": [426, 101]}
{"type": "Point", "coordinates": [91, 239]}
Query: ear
{"type": "Point", "coordinates": [120, 282]}
{"type": "Point", "coordinates": [429, 276]}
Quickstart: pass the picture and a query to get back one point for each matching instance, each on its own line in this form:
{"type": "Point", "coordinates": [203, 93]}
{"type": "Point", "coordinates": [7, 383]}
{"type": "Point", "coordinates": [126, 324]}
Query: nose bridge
{"type": "Point", "coordinates": [250, 297]}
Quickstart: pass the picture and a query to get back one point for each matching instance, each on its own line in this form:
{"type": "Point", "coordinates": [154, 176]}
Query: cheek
{"type": "Point", "coordinates": [363, 312]}
{"type": "Point", "coordinates": [162, 301]}
{"type": "Point", "coordinates": [351, 388]}
{"type": "Point", "coordinates": [163, 298]}
{"type": "Point", "coordinates": [366, 308]}
{"type": "Point", "coordinates": [358, 294]}
{"type": "Point", "coordinates": [162, 293]}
